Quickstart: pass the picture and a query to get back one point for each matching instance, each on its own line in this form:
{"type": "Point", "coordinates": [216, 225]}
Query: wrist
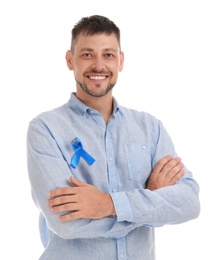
{"type": "Point", "coordinates": [110, 206]}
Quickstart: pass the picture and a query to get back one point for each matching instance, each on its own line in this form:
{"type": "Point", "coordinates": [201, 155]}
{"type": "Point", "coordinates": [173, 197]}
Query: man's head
{"type": "Point", "coordinates": [95, 56]}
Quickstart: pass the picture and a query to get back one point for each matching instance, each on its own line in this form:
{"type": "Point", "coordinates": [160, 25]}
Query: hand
{"type": "Point", "coordinates": [81, 201]}
{"type": "Point", "coordinates": [167, 172]}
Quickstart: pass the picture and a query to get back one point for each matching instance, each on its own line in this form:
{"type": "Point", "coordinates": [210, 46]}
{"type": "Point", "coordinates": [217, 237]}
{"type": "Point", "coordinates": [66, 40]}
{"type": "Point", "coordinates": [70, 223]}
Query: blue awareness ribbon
{"type": "Point", "coordinates": [80, 152]}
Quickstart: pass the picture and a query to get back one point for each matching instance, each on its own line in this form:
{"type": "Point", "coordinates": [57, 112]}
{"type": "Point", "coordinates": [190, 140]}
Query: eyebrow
{"type": "Point", "coordinates": [86, 49]}
{"type": "Point", "coordinates": [91, 50]}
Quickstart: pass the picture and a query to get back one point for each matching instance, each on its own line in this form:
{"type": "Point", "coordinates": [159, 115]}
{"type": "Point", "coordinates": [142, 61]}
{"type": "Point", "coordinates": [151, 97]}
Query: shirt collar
{"type": "Point", "coordinates": [79, 107]}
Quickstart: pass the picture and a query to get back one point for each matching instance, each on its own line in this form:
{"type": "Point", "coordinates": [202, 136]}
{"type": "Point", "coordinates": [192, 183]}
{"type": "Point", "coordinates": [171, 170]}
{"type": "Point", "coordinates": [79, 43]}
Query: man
{"type": "Point", "coordinates": [104, 176]}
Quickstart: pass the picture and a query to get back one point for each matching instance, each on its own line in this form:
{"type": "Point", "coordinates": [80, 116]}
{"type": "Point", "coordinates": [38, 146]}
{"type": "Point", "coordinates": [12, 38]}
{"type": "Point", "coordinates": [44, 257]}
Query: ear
{"type": "Point", "coordinates": [121, 65]}
{"type": "Point", "coordinates": [69, 59]}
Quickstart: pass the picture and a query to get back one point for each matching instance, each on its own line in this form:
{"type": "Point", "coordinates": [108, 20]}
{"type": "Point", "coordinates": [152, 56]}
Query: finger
{"type": "Point", "coordinates": [61, 200]}
{"type": "Point", "coordinates": [64, 208]}
{"type": "Point", "coordinates": [71, 216]}
{"type": "Point", "coordinates": [172, 165]}
{"type": "Point", "coordinates": [175, 169]}
{"type": "Point", "coordinates": [61, 192]}
{"type": "Point", "coordinates": [177, 176]}
{"type": "Point", "coordinates": [161, 163]}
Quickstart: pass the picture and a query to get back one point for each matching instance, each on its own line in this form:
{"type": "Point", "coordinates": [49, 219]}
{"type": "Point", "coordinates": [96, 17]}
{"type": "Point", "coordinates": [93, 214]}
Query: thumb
{"type": "Point", "coordinates": [77, 183]}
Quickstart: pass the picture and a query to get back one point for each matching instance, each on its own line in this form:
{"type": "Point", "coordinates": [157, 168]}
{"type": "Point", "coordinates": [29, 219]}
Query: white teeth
{"type": "Point", "coordinates": [97, 77]}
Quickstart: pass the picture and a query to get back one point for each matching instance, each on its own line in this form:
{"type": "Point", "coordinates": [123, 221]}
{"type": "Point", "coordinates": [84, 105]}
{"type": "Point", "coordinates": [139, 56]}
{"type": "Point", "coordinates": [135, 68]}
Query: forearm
{"type": "Point", "coordinates": [107, 227]}
{"type": "Point", "coordinates": [168, 197]}
{"type": "Point", "coordinates": [48, 170]}
{"type": "Point", "coordinates": [82, 200]}
{"type": "Point", "coordinates": [169, 205]}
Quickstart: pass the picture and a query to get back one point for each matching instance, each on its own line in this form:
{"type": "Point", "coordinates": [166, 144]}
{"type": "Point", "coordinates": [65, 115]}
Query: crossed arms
{"type": "Point", "coordinates": [86, 201]}
{"type": "Point", "coordinates": [74, 209]}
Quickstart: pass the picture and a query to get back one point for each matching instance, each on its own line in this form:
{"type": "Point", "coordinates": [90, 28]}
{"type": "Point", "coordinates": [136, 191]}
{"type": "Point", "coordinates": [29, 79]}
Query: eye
{"type": "Point", "coordinates": [86, 55]}
{"type": "Point", "coordinates": [109, 55]}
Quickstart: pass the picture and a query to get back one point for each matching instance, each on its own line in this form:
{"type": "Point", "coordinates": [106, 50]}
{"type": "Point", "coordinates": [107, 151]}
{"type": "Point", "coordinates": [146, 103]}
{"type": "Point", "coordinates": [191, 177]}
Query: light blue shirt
{"type": "Point", "coordinates": [126, 151]}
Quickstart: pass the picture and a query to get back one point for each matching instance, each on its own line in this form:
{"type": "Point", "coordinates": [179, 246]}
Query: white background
{"type": "Point", "coordinates": [173, 70]}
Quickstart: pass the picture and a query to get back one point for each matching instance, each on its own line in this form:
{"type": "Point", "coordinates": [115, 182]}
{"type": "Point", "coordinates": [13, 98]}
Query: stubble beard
{"type": "Point", "coordinates": [84, 87]}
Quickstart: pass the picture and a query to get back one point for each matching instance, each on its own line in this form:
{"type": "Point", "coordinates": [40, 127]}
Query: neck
{"type": "Point", "coordinates": [104, 105]}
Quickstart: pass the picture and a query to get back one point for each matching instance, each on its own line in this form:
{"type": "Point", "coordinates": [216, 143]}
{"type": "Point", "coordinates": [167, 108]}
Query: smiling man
{"type": "Point", "coordinates": [103, 176]}
{"type": "Point", "coordinates": [96, 59]}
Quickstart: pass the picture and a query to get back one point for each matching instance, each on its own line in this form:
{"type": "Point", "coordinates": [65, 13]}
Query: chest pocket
{"type": "Point", "coordinates": [139, 161]}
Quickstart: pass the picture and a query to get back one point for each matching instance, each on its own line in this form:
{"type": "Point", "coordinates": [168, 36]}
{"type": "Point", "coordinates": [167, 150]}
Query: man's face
{"type": "Point", "coordinates": [96, 61]}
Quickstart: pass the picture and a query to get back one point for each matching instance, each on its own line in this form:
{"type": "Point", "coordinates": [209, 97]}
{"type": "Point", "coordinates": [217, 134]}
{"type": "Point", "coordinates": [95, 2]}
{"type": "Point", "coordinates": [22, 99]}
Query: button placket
{"type": "Point", "coordinates": [111, 163]}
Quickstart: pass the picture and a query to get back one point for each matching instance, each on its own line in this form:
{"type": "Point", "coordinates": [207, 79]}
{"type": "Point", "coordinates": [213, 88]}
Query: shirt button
{"type": "Point", "coordinates": [113, 190]}
{"type": "Point", "coordinates": [121, 256]}
{"type": "Point", "coordinates": [84, 114]}
{"type": "Point", "coordinates": [143, 147]}
{"type": "Point", "coordinates": [110, 159]}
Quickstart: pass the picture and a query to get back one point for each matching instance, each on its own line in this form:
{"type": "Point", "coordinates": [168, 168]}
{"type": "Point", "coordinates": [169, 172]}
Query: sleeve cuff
{"type": "Point", "coordinates": [122, 206]}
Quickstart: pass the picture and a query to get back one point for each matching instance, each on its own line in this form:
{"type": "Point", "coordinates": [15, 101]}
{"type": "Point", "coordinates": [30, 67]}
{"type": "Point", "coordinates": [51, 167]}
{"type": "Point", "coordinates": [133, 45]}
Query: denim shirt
{"type": "Point", "coordinates": [125, 150]}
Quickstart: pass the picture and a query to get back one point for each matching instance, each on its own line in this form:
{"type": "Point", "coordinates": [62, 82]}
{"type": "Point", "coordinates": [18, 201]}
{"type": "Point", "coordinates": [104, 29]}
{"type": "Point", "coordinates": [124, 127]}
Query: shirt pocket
{"type": "Point", "coordinates": [138, 161]}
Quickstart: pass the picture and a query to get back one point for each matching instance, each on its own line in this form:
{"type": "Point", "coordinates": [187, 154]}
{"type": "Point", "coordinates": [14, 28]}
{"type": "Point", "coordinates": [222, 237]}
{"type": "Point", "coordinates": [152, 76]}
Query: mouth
{"type": "Point", "coordinates": [97, 77]}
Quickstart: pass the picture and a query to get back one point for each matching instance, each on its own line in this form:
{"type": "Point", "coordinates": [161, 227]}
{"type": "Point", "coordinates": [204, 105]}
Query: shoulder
{"type": "Point", "coordinates": [52, 115]}
{"type": "Point", "coordinates": [139, 116]}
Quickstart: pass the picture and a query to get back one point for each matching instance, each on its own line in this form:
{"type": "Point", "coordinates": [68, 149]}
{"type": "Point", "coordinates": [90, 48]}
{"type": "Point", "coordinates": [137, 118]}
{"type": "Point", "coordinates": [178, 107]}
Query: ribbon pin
{"type": "Point", "coordinates": [80, 152]}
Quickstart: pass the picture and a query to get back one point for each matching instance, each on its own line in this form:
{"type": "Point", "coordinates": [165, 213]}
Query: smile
{"type": "Point", "coordinates": [97, 77]}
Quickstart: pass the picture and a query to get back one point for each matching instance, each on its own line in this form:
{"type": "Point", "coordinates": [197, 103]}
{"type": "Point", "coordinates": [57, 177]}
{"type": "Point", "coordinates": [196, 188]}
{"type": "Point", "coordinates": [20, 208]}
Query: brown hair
{"type": "Point", "coordinates": [94, 24]}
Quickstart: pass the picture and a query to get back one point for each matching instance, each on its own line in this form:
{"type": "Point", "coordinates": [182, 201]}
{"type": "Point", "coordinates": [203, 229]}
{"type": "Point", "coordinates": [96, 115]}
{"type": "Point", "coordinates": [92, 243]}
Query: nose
{"type": "Point", "coordinates": [98, 64]}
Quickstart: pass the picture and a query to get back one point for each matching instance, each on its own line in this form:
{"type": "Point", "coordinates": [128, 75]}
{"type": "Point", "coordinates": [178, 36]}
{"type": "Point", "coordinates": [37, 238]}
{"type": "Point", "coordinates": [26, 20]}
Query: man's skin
{"type": "Point", "coordinates": [96, 61]}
